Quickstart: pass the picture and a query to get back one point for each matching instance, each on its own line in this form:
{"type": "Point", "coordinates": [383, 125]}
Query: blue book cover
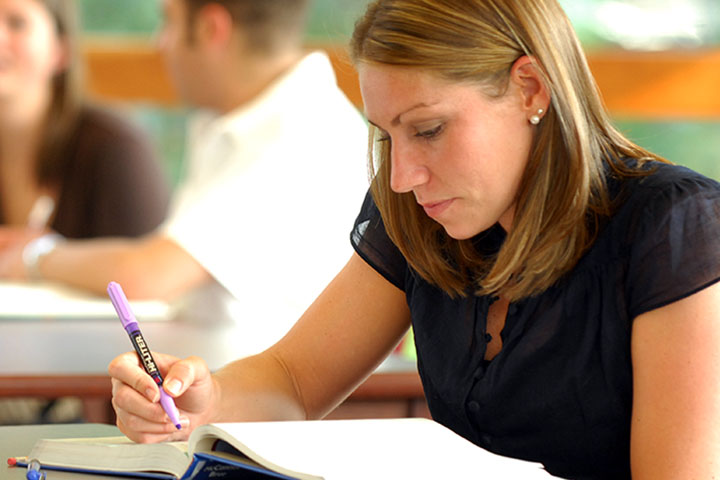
{"type": "Point", "coordinates": [204, 466]}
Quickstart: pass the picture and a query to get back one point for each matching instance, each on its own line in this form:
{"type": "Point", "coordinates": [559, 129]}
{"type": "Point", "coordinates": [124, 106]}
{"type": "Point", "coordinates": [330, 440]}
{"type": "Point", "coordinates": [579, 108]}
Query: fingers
{"type": "Point", "coordinates": [17, 236]}
{"type": "Point", "coordinates": [142, 436]}
{"type": "Point", "coordinates": [136, 396]}
{"type": "Point", "coordinates": [138, 418]}
{"type": "Point", "coordinates": [185, 373]}
{"type": "Point", "coordinates": [8, 236]}
{"type": "Point", "coordinates": [126, 369]}
{"type": "Point", "coordinates": [136, 399]}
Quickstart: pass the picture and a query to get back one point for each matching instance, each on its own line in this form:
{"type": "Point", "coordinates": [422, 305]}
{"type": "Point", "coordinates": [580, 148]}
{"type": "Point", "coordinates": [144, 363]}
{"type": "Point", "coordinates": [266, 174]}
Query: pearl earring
{"type": "Point", "coordinates": [535, 119]}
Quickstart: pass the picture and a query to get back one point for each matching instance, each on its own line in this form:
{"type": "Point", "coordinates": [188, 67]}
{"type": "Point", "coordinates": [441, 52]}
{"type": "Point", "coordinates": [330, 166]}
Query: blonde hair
{"type": "Point", "coordinates": [562, 195]}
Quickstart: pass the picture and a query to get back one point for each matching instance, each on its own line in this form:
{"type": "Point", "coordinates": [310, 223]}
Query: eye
{"type": "Point", "coordinates": [431, 133]}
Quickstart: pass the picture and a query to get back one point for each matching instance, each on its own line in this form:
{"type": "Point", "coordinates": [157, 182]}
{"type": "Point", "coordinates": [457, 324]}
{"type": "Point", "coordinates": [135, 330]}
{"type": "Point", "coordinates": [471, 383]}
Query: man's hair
{"type": "Point", "coordinates": [268, 25]}
{"type": "Point", "coordinates": [562, 196]}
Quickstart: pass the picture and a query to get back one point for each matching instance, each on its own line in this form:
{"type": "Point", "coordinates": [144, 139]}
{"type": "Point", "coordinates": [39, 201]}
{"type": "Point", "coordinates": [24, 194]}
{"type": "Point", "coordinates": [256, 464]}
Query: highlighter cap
{"type": "Point", "coordinates": [122, 307]}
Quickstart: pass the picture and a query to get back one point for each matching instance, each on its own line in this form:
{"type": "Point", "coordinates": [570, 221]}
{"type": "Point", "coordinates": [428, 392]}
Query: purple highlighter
{"type": "Point", "coordinates": [122, 307]}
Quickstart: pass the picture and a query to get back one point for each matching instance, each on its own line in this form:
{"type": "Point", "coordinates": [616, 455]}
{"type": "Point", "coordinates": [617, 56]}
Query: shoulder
{"type": "Point", "coordinates": [107, 148]}
{"type": "Point", "coordinates": [666, 192]}
{"type": "Point", "coordinates": [101, 123]}
{"type": "Point", "coordinates": [310, 90]}
{"type": "Point", "coordinates": [667, 232]}
{"type": "Point", "coordinates": [669, 181]}
{"type": "Point", "coordinates": [104, 136]}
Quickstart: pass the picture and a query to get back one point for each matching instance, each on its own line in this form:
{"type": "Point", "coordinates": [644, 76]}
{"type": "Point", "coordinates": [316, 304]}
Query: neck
{"type": "Point", "coordinates": [22, 115]}
{"type": "Point", "coordinates": [244, 82]}
{"type": "Point", "coordinates": [21, 125]}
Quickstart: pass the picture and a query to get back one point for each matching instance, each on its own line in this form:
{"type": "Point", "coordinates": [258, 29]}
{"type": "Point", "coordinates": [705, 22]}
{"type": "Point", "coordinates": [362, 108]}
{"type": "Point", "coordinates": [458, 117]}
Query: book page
{"type": "Point", "coordinates": [112, 454]}
{"type": "Point", "coordinates": [360, 449]}
{"type": "Point", "coordinates": [204, 439]}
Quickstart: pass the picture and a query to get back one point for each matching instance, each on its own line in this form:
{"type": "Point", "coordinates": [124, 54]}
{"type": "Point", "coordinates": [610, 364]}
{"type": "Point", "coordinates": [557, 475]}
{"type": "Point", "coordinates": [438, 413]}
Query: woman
{"type": "Point", "coordinates": [562, 282]}
{"type": "Point", "coordinates": [64, 165]}
{"type": "Point", "coordinates": [98, 171]}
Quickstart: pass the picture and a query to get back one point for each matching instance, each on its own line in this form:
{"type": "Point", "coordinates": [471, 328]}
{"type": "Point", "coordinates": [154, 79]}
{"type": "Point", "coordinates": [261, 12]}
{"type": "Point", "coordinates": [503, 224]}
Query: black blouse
{"type": "Point", "coordinates": [560, 390]}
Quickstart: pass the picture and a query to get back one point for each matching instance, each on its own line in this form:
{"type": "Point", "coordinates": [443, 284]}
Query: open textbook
{"type": "Point", "coordinates": [378, 449]}
{"type": "Point", "coordinates": [46, 300]}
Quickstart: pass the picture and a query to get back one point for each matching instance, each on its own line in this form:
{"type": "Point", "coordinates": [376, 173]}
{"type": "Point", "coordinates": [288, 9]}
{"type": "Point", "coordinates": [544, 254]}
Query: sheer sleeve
{"type": "Point", "coordinates": [371, 242]}
{"type": "Point", "coordinates": [675, 250]}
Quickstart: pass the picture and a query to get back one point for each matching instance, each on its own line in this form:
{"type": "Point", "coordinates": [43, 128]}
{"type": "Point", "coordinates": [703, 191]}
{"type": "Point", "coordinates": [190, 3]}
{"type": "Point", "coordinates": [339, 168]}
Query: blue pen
{"type": "Point", "coordinates": [33, 471]}
{"type": "Point", "coordinates": [122, 307]}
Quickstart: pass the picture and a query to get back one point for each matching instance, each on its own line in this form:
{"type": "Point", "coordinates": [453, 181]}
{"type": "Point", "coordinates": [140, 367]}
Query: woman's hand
{"type": "Point", "coordinates": [12, 243]}
{"type": "Point", "coordinates": [136, 396]}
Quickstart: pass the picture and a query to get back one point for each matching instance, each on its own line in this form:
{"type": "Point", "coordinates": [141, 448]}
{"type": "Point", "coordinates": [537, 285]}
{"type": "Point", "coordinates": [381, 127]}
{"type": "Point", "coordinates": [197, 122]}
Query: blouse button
{"type": "Point", "coordinates": [488, 338]}
{"type": "Point", "coordinates": [474, 406]}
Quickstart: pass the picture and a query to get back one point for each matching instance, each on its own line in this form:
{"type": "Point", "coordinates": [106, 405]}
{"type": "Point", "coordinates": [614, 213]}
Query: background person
{"type": "Point", "coordinates": [95, 172]}
{"type": "Point", "coordinates": [98, 170]}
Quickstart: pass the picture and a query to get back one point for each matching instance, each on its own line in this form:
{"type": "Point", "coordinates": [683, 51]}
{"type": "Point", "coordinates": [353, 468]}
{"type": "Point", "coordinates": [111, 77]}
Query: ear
{"type": "Point", "coordinates": [214, 25]}
{"type": "Point", "coordinates": [526, 74]}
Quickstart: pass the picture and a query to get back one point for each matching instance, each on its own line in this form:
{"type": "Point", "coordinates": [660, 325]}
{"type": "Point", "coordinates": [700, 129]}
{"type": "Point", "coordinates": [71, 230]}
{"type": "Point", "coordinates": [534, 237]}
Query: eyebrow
{"type": "Point", "coordinates": [396, 121]}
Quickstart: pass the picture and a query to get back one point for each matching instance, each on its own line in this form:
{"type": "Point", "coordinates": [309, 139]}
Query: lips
{"type": "Point", "coordinates": [434, 209]}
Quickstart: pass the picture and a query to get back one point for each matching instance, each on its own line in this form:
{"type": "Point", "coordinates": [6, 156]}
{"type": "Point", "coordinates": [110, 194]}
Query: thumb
{"type": "Point", "coordinates": [183, 374]}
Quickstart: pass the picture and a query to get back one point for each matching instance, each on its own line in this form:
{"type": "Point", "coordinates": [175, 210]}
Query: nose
{"type": "Point", "coordinates": [407, 170]}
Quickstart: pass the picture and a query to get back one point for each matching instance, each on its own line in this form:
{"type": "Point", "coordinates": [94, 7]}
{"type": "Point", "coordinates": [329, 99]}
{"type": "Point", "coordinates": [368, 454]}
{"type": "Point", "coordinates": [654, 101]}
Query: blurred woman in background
{"type": "Point", "coordinates": [96, 169]}
{"type": "Point", "coordinates": [66, 167]}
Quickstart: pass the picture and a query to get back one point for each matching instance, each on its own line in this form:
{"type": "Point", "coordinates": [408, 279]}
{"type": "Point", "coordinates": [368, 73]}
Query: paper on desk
{"type": "Point", "coordinates": [42, 301]}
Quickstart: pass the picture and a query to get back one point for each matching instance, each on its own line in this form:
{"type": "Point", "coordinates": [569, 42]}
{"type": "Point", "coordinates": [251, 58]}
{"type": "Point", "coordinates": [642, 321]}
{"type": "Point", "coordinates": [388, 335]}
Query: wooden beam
{"type": "Point", "coordinates": [135, 72]}
{"type": "Point", "coordinates": [127, 73]}
{"type": "Point", "coordinates": [669, 85]}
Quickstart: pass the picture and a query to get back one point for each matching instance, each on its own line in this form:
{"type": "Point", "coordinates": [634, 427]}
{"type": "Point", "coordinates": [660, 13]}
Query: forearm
{"type": "Point", "coordinates": [90, 264]}
{"type": "Point", "coordinates": [148, 267]}
{"type": "Point", "coordinates": [257, 388]}
{"type": "Point", "coordinates": [323, 357]}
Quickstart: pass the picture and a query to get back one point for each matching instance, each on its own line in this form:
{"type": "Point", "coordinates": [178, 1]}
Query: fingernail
{"type": "Point", "coordinates": [173, 386]}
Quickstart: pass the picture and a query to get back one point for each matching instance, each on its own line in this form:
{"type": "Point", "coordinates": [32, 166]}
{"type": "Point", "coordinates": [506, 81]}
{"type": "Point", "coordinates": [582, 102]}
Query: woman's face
{"type": "Point", "coordinates": [460, 152]}
{"type": "Point", "coordinates": [30, 50]}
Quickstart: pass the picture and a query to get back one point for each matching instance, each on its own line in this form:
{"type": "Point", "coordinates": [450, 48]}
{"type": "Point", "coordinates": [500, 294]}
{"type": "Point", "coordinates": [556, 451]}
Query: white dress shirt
{"type": "Point", "coordinates": [268, 201]}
